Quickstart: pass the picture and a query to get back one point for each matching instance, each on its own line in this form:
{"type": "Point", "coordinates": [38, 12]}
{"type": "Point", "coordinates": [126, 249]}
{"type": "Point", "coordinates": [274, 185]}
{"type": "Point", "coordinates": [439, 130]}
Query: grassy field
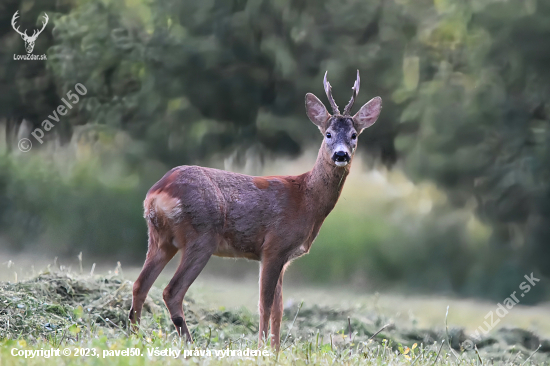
{"type": "Point", "coordinates": [73, 312]}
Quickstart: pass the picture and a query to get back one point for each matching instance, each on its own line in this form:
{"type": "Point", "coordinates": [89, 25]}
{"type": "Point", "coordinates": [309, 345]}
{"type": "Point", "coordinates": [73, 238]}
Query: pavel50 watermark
{"type": "Point", "coordinates": [25, 144]}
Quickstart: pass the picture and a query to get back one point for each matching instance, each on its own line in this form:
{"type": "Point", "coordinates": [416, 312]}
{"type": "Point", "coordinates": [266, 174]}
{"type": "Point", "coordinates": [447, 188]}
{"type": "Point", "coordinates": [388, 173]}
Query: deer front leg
{"type": "Point", "coordinates": [277, 313]}
{"type": "Point", "coordinates": [270, 272]}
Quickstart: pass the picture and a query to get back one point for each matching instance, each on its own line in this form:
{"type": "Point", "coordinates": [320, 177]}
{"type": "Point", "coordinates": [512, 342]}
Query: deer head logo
{"type": "Point", "coordinates": [29, 40]}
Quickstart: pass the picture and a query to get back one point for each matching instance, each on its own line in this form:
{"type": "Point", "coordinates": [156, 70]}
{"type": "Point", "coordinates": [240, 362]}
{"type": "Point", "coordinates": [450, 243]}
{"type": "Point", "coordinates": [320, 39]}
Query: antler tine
{"type": "Point", "coordinates": [13, 19]}
{"type": "Point", "coordinates": [328, 91]}
{"type": "Point", "coordinates": [43, 24]}
{"type": "Point", "coordinates": [47, 18]}
{"type": "Point", "coordinates": [355, 88]}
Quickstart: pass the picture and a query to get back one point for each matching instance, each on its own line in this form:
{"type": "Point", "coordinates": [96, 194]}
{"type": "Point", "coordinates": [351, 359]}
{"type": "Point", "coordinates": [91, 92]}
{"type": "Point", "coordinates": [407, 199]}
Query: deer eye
{"type": "Point", "coordinates": [328, 135]}
{"type": "Point", "coordinates": [354, 136]}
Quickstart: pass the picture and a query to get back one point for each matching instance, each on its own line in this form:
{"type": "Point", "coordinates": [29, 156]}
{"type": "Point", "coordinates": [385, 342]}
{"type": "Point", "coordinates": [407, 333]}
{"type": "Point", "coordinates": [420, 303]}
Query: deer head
{"type": "Point", "coordinates": [29, 40]}
{"type": "Point", "coordinates": [341, 130]}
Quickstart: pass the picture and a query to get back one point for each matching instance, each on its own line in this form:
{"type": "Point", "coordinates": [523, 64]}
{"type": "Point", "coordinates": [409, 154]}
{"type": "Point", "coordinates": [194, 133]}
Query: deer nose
{"type": "Point", "coordinates": [341, 156]}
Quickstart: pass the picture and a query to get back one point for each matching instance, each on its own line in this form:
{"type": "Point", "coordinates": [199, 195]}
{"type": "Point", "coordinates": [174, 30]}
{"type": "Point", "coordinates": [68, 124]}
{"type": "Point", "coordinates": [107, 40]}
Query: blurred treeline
{"type": "Point", "coordinates": [466, 90]}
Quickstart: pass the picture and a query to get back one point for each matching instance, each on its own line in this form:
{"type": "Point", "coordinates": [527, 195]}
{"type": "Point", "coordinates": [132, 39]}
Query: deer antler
{"type": "Point", "coordinates": [328, 90]}
{"type": "Point", "coordinates": [355, 88]}
{"type": "Point", "coordinates": [35, 34]}
{"type": "Point", "coordinates": [13, 19]}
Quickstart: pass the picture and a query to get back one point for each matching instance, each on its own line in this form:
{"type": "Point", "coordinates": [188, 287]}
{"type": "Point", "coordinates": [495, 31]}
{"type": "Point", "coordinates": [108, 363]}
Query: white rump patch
{"type": "Point", "coordinates": [168, 205]}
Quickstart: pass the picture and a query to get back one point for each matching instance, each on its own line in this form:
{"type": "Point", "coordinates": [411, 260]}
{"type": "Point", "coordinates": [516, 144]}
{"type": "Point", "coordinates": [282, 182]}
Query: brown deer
{"type": "Point", "coordinates": [273, 219]}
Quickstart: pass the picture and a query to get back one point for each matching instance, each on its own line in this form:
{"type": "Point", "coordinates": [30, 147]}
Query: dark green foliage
{"type": "Point", "coordinates": [481, 120]}
{"type": "Point", "coordinates": [71, 213]}
{"type": "Point", "coordinates": [465, 88]}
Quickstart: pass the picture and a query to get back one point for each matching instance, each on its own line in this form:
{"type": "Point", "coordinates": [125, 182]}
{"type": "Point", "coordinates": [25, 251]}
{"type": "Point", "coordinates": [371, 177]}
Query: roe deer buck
{"type": "Point", "coordinates": [273, 219]}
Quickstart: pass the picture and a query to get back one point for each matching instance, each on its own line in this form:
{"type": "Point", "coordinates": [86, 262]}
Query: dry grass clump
{"type": "Point", "coordinates": [53, 301]}
{"type": "Point", "coordinates": [49, 304]}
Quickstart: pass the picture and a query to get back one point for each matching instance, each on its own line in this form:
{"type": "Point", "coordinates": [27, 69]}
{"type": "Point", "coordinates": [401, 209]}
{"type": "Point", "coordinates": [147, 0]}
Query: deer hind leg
{"type": "Point", "coordinates": [194, 257]}
{"type": "Point", "coordinates": [159, 254]}
{"type": "Point", "coordinates": [270, 272]}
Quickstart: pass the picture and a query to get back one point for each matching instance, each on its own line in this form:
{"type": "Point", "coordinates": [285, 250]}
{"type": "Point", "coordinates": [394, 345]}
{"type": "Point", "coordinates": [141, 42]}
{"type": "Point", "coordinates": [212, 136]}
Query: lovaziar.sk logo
{"type": "Point", "coordinates": [29, 40]}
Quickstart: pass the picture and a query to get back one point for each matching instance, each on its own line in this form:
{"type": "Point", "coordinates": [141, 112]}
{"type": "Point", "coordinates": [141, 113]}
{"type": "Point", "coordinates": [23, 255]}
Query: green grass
{"type": "Point", "coordinates": [65, 310]}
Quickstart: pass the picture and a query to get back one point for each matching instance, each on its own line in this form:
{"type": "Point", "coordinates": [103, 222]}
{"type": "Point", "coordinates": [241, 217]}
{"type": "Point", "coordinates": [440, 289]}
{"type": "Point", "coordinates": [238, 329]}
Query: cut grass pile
{"type": "Point", "coordinates": [62, 309]}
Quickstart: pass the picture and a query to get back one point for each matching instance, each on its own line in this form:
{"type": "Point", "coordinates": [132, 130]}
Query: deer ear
{"type": "Point", "coordinates": [368, 114]}
{"type": "Point", "coordinates": [316, 111]}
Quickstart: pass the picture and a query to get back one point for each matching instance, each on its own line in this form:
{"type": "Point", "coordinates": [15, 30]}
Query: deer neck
{"type": "Point", "coordinates": [324, 183]}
